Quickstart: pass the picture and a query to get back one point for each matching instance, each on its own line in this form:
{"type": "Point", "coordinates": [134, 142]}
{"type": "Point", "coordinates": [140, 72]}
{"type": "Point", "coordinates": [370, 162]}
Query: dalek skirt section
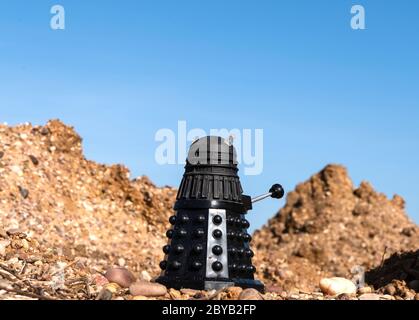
{"type": "Point", "coordinates": [209, 244]}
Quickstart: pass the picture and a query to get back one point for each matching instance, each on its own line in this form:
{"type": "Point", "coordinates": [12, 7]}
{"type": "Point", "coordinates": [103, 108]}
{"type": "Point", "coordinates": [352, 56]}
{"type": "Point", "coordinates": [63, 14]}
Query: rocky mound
{"type": "Point", "coordinates": [76, 209]}
{"type": "Point", "coordinates": [330, 228]}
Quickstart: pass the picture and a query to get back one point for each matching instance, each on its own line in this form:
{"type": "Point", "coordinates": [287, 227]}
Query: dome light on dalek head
{"type": "Point", "coordinates": [209, 244]}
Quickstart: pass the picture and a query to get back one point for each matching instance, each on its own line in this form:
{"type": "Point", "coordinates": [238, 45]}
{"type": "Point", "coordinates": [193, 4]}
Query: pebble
{"type": "Point", "coordinates": [3, 233]}
{"type": "Point", "coordinates": [147, 289]}
{"type": "Point", "coordinates": [145, 276]}
{"type": "Point", "coordinates": [100, 280]}
{"type": "Point", "coordinates": [250, 294]}
{"type": "Point", "coordinates": [409, 295]}
{"type": "Point", "coordinates": [189, 292]}
{"type": "Point", "coordinates": [274, 289]}
{"type": "Point", "coordinates": [108, 292]}
{"type": "Point", "coordinates": [14, 232]}
{"type": "Point", "coordinates": [390, 289]}
{"type": "Point", "coordinates": [417, 296]}
{"type": "Point", "coordinates": [17, 170]}
{"type": "Point", "coordinates": [344, 297]}
{"type": "Point", "coordinates": [387, 297]}
{"type": "Point", "coordinates": [175, 295]}
{"type": "Point", "coordinates": [105, 295]}
{"type": "Point", "coordinates": [233, 293]}
{"type": "Point", "coordinates": [121, 262]}
{"type": "Point", "coordinates": [34, 160]}
{"type": "Point", "coordinates": [38, 263]}
{"type": "Point", "coordinates": [337, 286]}
{"type": "Point", "coordinates": [25, 244]}
{"type": "Point", "coordinates": [369, 297]}
{"type": "Point", "coordinates": [24, 192]}
{"type": "Point", "coordinates": [3, 245]}
{"type": "Point", "coordinates": [121, 276]}
{"type": "Point", "coordinates": [1, 154]}
{"type": "Point", "coordinates": [365, 290]}
{"type": "Point", "coordinates": [113, 287]}
{"type": "Point", "coordinates": [139, 298]}
{"type": "Point", "coordinates": [45, 131]}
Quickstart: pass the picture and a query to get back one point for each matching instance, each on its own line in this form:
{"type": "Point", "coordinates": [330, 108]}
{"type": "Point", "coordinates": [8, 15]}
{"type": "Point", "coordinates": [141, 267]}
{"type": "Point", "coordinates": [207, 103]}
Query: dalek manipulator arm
{"type": "Point", "coordinates": [276, 192]}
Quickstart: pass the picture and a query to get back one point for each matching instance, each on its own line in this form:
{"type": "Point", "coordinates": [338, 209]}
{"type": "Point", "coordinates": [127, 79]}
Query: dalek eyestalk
{"type": "Point", "coordinates": [209, 244]}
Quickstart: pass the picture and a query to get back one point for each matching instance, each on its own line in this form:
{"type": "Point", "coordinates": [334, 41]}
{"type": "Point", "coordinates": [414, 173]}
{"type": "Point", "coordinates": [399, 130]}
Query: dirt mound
{"type": "Point", "coordinates": [76, 209]}
{"type": "Point", "coordinates": [330, 228]}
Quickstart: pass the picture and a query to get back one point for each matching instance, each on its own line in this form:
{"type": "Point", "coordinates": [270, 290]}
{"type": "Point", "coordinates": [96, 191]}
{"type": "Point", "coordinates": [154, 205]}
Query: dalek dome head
{"type": "Point", "coordinates": [211, 177]}
{"type": "Point", "coordinates": [212, 150]}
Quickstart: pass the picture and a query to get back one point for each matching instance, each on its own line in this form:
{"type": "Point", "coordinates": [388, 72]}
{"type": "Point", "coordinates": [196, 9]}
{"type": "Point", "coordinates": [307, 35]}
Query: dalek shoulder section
{"type": "Point", "coordinates": [210, 187]}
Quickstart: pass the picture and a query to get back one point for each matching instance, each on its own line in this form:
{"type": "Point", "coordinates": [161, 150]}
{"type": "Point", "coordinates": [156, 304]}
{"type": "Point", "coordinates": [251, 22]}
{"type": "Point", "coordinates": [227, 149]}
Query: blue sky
{"type": "Point", "coordinates": [322, 92]}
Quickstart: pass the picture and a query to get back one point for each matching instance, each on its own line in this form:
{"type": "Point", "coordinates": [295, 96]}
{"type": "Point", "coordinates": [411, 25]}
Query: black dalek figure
{"type": "Point", "coordinates": [209, 244]}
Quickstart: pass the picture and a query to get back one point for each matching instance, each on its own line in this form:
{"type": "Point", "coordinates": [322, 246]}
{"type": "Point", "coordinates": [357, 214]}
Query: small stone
{"type": "Point", "coordinates": [1, 154]}
{"type": "Point", "coordinates": [147, 289]}
{"type": "Point", "coordinates": [140, 298]}
{"type": "Point", "coordinates": [344, 297]}
{"type": "Point", "coordinates": [3, 245]}
{"type": "Point", "coordinates": [17, 170]}
{"type": "Point", "coordinates": [100, 280]}
{"type": "Point", "coordinates": [25, 244]}
{"type": "Point", "coordinates": [38, 263]}
{"type": "Point", "coordinates": [390, 289]}
{"type": "Point", "coordinates": [365, 290]}
{"type": "Point", "coordinates": [250, 294]}
{"type": "Point", "coordinates": [337, 286]}
{"type": "Point", "coordinates": [417, 296]}
{"type": "Point", "coordinates": [274, 289]}
{"type": "Point", "coordinates": [175, 295]}
{"type": "Point", "coordinates": [369, 297]}
{"type": "Point", "coordinates": [145, 276]}
{"type": "Point", "coordinates": [105, 295]}
{"type": "Point", "coordinates": [24, 192]}
{"type": "Point", "coordinates": [283, 295]}
{"type": "Point", "coordinates": [121, 276]}
{"type": "Point", "coordinates": [14, 232]}
{"type": "Point", "coordinates": [34, 160]}
{"type": "Point", "coordinates": [3, 233]}
{"type": "Point", "coordinates": [387, 297]}
{"type": "Point", "coordinates": [234, 292]}
{"type": "Point", "coordinates": [189, 292]}
{"type": "Point", "coordinates": [45, 131]}
{"type": "Point", "coordinates": [121, 262]}
{"type": "Point", "coordinates": [6, 284]}
{"type": "Point", "coordinates": [409, 295]}
{"type": "Point", "coordinates": [113, 287]}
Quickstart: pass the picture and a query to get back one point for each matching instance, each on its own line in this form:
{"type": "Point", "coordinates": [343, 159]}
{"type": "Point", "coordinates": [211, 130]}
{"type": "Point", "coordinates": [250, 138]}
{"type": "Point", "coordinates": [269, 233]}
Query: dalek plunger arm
{"type": "Point", "coordinates": [276, 192]}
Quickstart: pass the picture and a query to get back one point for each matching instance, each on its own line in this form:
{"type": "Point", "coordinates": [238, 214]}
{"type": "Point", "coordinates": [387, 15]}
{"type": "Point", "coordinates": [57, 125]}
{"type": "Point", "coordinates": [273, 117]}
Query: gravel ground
{"type": "Point", "coordinates": [71, 228]}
